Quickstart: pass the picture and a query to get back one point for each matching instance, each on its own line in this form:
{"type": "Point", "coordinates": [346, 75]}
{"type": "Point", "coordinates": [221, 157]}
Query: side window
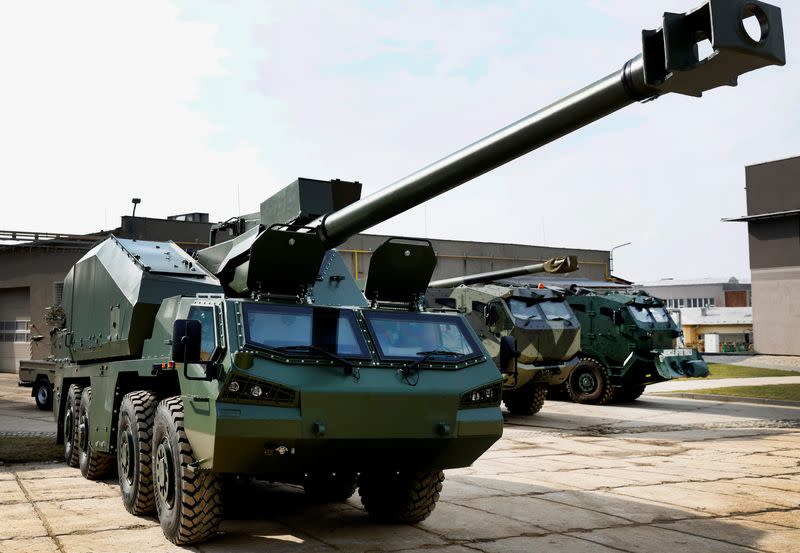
{"type": "Point", "coordinates": [208, 341]}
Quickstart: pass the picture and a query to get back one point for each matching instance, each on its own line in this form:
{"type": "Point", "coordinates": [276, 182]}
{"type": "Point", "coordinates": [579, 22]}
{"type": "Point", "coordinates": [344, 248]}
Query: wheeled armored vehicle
{"type": "Point", "coordinates": [262, 357]}
{"type": "Point", "coordinates": [531, 333]}
{"type": "Point", "coordinates": [628, 340]}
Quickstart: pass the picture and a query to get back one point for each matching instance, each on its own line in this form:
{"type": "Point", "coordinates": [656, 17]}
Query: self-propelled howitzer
{"type": "Point", "coordinates": [262, 356]}
{"type": "Point", "coordinates": [531, 333]}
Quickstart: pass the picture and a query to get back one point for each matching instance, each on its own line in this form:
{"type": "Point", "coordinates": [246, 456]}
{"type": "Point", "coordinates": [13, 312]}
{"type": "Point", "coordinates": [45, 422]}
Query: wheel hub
{"type": "Point", "coordinates": [587, 383]}
{"type": "Point", "coordinates": [42, 394]}
{"type": "Point", "coordinates": [83, 433]}
{"type": "Point", "coordinates": [68, 425]}
{"type": "Point", "coordinates": [126, 462]}
{"type": "Point", "coordinates": [164, 473]}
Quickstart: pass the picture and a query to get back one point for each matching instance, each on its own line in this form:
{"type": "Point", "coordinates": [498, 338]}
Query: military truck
{"type": "Point", "coordinates": [627, 342]}
{"type": "Point", "coordinates": [262, 356]}
{"type": "Point", "coordinates": [531, 333]}
{"type": "Point", "coordinates": [38, 375]}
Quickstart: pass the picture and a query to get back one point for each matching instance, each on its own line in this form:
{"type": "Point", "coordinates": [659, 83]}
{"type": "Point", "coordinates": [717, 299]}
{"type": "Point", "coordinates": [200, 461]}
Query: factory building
{"type": "Point", "coordinates": [33, 266]}
{"type": "Point", "coordinates": [700, 292]}
{"type": "Point", "coordinates": [773, 227]}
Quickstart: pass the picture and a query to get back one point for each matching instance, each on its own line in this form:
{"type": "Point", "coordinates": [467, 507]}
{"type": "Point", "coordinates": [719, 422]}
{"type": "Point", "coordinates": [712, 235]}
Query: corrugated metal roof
{"type": "Point", "coordinates": [564, 282]}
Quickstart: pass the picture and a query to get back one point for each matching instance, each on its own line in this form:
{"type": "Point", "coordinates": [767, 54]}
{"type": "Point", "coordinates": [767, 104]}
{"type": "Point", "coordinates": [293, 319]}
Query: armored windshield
{"type": "Point", "coordinates": [660, 314]}
{"type": "Point", "coordinates": [277, 327]}
{"type": "Point", "coordinates": [415, 335]}
{"type": "Point", "coordinates": [524, 309]}
{"type": "Point", "coordinates": [556, 311]}
{"type": "Point", "coordinates": [641, 314]}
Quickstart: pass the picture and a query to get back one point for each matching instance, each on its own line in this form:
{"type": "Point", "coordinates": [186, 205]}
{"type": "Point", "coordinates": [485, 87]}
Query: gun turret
{"type": "Point", "coordinates": [556, 265]}
{"type": "Point", "coordinates": [669, 62]}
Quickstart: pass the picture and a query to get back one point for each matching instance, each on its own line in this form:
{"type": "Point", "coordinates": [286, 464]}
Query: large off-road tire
{"type": "Point", "coordinates": [589, 383]}
{"type": "Point", "coordinates": [628, 393]}
{"type": "Point", "coordinates": [72, 405]}
{"type": "Point", "coordinates": [134, 451]}
{"type": "Point", "coordinates": [43, 394]}
{"type": "Point", "coordinates": [94, 464]}
{"type": "Point", "coordinates": [400, 497]}
{"type": "Point", "coordinates": [188, 500]}
{"type": "Point", "coordinates": [528, 400]}
{"type": "Point", "coordinates": [330, 487]}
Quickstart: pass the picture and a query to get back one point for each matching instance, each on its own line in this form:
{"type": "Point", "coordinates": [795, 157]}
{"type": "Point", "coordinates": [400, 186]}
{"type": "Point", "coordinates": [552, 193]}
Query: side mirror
{"type": "Point", "coordinates": [490, 315]}
{"type": "Point", "coordinates": [508, 354]}
{"type": "Point", "coordinates": [186, 338]}
{"type": "Point", "coordinates": [616, 317]}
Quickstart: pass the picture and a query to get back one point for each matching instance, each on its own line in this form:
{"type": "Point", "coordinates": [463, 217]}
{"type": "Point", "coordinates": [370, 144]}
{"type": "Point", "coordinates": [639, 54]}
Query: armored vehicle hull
{"type": "Point", "coordinates": [262, 356]}
{"type": "Point", "coordinates": [627, 342]}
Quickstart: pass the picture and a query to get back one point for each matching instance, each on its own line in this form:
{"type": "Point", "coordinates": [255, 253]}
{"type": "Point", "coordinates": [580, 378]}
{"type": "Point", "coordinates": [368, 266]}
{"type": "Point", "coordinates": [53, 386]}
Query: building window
{"type": "Point", "coordinates": [58, 293]}
{"type": "Point", "coordinates": [711, 302]}
{"type": "Point", "coordinates": [15, 331]}
{"type": "Point", "coordinates": [680, 302]}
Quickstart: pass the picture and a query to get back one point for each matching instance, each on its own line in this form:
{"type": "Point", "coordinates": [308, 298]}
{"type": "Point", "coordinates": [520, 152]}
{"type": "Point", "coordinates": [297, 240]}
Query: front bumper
{"type": "Point", "coordinates": [666, 365]}
{"type": "Point", "coordinates": [282, 442]}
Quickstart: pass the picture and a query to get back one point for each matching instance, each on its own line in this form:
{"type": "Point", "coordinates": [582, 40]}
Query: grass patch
{"type": "Point", "coordinates": [787, 392]}
{"type": "Point", "coordinates": [24, 449]}
{"type": "Point", "coordinates": [719, 370]}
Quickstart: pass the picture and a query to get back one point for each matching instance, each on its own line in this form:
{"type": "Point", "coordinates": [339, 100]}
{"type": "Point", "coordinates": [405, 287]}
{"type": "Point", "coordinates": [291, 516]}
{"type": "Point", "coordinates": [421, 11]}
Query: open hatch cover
{"type": "Point", "coordinates": [400, 270]}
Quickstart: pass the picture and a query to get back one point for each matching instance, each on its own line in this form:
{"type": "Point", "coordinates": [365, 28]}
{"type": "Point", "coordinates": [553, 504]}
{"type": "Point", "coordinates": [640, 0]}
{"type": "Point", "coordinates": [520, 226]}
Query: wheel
{"type": "Point", "coordinates": [94, 465]}
{"type": "Point", "coordinates": [528, 400]}
{"type": "Point", "coordinates": [589, 383]}
{"type": "Point", "coordinates": [400, 497]}
{"type": "Point", "coordinates": [70, 423]}
{"type": "Point", "coordinates": [188, 501]}
{"type": "Point", "coordinates": [628, 393]}
{"type": "Point", "coordinates": [331, 487]}
{"type": "Point", "coordinates": [134, 451]}
{"type": "Point", "coordinates": [43, 393]}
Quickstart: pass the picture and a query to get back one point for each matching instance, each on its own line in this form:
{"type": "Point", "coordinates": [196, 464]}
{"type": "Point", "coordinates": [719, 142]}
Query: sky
{"type": "Point", "coordinates": [213, 106]}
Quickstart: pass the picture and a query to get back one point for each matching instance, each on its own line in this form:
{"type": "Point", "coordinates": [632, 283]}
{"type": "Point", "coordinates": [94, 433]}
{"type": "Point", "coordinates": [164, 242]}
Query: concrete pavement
{"type": "Point", "coordinates": [783, 362]}
{"type": "Point", "coordinates": [703, 383]}
{"type": "Point", "coordinates": [662, 474]}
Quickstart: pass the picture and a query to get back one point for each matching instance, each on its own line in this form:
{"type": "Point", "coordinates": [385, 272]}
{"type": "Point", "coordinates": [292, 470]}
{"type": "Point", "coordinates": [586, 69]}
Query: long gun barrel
{"type": "Point", "coordinates": [556, 265]}
{"type": "Point", "coordinates": [669, 62]}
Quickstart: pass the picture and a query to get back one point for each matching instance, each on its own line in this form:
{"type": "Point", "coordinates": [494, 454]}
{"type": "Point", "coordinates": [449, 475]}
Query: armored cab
{"type": "Point", "coordinates": [531, 333]}
{"type": "Point", "coordinates": [269, 361]}
{"type": "Point", "coordinates": [628, 340]}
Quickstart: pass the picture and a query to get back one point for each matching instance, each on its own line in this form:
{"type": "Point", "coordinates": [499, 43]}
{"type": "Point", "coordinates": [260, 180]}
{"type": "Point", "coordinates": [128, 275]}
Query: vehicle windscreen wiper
{"type": "Point", "coordinates": [405, 372]}
{"type": "Point", "coordinates": [560, 318]}
{"type": "Point", "coordinates": [349, 368]}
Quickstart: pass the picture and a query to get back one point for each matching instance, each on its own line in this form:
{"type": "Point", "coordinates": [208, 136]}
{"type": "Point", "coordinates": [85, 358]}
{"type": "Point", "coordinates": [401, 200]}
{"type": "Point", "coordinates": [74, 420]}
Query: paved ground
{"type": "Point", "coordinates": [18, 412]}
{"type": "Point", "coordinates": [785, 362]}
{"type": "Point", "coordinates": [702, 383]}
{"type": "Point", "coordinates": [662, 474]}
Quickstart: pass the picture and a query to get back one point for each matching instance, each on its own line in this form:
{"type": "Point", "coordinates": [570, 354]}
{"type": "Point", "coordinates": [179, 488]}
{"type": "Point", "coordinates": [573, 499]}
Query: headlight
{"type": "Point", "coordinates": [486, 396]}
{"type": "Point", "coordinates": [242, 388]}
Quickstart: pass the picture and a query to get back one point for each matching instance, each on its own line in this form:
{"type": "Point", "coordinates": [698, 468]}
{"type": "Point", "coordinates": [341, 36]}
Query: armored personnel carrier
{"type": "Point", "coordinates": [627, 342]}
{"type": "Point", "coordinates": [530, 332]}
{"type": "Point", "coordinates": [263, 357]}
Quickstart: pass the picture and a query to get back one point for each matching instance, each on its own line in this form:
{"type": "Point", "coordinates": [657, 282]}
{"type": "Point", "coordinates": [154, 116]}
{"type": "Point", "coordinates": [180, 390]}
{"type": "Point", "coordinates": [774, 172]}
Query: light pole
{"type": "Point", "coordinates": [611, 256]}
{"type": "Point", "coordinates": [135, 202]}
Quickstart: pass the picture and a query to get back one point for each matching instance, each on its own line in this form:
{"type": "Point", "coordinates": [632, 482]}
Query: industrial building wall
{"type": "Point", "coordinates": [39, 271]}
{"type": "Point", "coordinates": [772, 190]}
{"type": "Point", "coordinates": [456, 258]}
{"type": "Point", "coordinates": [14, 327]}
{"type": "Point", "coordinates": [776, 310]}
